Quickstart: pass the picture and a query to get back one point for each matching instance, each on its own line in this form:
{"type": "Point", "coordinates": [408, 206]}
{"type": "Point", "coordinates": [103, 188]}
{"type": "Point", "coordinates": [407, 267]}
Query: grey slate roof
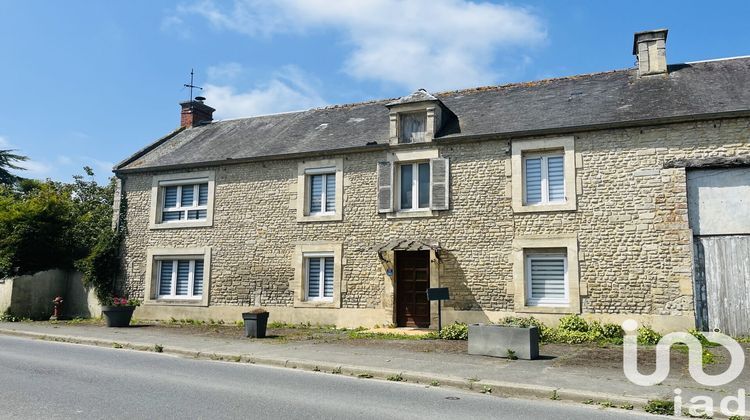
{"type": "Point", "coordinates": [615, 98]}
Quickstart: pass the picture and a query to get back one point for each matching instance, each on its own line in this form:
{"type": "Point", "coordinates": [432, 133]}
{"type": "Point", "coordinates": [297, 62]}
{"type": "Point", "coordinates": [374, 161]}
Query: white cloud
{"type": "Point", "coordinates": [418, 43]}
{"type": "Point", "coordinates": [35, 169]}
{"type": "Point", "coordinates": [289, 90]}
{"type": "Point", "coordinates": [224, 71]}
{"type": "Point", "coordinates": [175, 25]}
{"type": "Point", "coordinates": [4, 143]}
{"type": "Point", "coordinates": [64, 160]}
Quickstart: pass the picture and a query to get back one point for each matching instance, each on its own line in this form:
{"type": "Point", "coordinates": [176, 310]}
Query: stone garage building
{"type": "Point", "coordinates": [547, 198]}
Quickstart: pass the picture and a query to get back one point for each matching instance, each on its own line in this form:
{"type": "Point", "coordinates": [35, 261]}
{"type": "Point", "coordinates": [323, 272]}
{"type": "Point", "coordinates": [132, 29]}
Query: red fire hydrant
{"type": "Point", "coordinates": [57, 310]}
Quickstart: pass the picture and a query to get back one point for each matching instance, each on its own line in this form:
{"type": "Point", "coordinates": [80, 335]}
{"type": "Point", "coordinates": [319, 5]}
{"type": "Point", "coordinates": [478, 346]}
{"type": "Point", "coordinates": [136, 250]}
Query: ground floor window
{"type": "Point", "coordinates": [547, 280]}
{"type": "Point", "coordinates": [319, 275]}
{"type": "Point", "coordinates": [180, 278]}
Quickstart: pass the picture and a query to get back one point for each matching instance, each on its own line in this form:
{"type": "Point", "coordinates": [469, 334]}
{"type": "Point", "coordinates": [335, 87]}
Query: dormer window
{"type": "Point", "coordinates": [416, 118]}
{"type": "Point", "coordinates": [413, 127]}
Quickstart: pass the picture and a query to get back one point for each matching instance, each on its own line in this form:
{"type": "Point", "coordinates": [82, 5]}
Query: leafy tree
{"type": "Point", "coordinates": [35, 229]}
{"type": "Point", "coordinates": [7, 161]}
{"type": "Point", "coordinates": [46, 225]}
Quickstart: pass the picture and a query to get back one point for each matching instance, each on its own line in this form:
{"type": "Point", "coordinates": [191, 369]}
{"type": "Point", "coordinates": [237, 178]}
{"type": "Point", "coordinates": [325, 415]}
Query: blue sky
{"type": "Point", "coordinates": [91, 82]}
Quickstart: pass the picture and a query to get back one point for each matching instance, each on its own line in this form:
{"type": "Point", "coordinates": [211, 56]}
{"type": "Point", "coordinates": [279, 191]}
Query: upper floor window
{"type": "Point", "coordinates": [544, 178]}
{"type": "Point", "coordinates": [185, 202]}
{"type": "Point", "coordinates": [543, 175]}
{"type": "Point", "coordinates": [182, 200]}
{"type": "Point", "coordinates": [322, 187]}
{"type": "Point", "coordinates": [413, 127]}
{"type": "Point", "coordinates": [414, 185]}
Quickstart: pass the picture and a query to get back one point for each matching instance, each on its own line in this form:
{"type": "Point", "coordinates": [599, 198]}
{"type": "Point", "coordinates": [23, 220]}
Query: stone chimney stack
{"type": "Point", "coordinates": [195, 113]}
{"type": "Point", "coordinates": [650, 47]}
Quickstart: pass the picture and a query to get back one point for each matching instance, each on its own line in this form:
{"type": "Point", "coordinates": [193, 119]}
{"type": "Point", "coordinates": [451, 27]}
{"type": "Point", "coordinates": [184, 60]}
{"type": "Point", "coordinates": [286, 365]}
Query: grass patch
{"type": "Point", "coordinates": [359, 334]}
{"type": "Point", "coordinates": [660, 407]}
{"type": "Point", "coordinates": [158, 348]}
{"type": "Point", "coordinates": [396, 378]}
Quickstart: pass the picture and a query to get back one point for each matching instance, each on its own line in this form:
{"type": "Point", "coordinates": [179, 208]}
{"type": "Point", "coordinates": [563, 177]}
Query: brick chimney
{"type": "Point", "coordinates": [650, 47]}
{"type": "Point", "coordinates": [195, 113]}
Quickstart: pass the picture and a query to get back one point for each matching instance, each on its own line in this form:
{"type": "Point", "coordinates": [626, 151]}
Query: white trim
{"type": "Point", "coordinates": [321, 256]}
{"type": "Point", "coordinates": [327, 167]}
{"type": "Point", "coordinates": [414, 187]}
{"type": "Point", "coordinates": [544, 163]}
{"type": "Point", "coordinates": [530, 299]}
{"type": "Point", "coordinates": [158, 187]}
{"type": "Point", "coordinates": [173, 281]}
{"type": "Point", "coordinates": [325, 172]}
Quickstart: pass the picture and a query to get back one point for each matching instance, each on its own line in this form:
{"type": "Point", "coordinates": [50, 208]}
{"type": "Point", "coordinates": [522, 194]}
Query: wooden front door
{"type": "Point", "coordinates": [412, 281]}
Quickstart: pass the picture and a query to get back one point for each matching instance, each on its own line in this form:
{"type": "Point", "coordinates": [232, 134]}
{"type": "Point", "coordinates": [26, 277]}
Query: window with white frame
{"type": "Point", "coordinates": [322, 191]}
{"type": "Point", "coordinates": [413, 127]}
{"type": "Point", "coordinates": [547, 280]}
{"type": "Point", "coordinates": [180, 278]}
{"type": "Point", "coordinates": [543, 178]}
{"type": "Point", "coordinates": [184, 201]}
{"type": "Point", "coordinates": [414, 186]}
{"type": "Point", "coordinates": [319, 273]}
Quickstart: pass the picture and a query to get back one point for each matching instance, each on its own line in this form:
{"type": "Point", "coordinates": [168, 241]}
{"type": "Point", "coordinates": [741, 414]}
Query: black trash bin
{"type": "Point", "coordinates": [255, 323]}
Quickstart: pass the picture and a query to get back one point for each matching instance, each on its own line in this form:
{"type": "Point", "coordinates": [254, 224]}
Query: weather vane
{"type": "Point", "coordinates": [191, 85]}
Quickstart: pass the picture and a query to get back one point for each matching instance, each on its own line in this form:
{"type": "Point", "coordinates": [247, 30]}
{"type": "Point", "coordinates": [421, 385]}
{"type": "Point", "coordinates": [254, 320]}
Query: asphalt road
{"type": "Point", "coordinates": [40, 379]}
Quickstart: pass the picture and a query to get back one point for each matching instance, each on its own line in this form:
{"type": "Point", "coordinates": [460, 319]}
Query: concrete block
{"type": "Point", "coordinates": [496, 340]}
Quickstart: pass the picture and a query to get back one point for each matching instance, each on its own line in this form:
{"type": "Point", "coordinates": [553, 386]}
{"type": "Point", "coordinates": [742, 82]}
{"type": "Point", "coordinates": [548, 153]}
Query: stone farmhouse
{"type": "Point", "coordinates": [615, 195]}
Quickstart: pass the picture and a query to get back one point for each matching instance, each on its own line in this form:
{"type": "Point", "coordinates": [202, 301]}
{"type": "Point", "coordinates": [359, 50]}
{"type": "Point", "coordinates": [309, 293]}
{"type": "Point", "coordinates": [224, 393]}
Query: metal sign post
{"type": "Point", "coordinates": [439, 294]}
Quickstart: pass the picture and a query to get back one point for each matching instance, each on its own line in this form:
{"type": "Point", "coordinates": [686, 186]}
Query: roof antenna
{"type": "Point", "coordinates": [191, 85]}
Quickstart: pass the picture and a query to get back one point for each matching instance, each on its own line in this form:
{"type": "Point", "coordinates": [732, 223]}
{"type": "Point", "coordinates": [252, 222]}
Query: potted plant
{"type": "Point", "coordinates": [119, 311]}
{"type": "Point", "coordinates": [255, 322]}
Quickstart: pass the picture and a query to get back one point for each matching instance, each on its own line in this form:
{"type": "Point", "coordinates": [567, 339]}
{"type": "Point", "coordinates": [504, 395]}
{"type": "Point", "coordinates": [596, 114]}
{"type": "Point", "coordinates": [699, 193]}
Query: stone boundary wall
{"type": "Point", "coordinates": [31, 296]}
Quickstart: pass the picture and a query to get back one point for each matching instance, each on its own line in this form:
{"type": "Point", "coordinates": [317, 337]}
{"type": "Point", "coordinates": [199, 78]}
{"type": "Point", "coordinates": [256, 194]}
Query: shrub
{"type": "Point", "coordinates": [647, 336]}
{"type": "Point", "coordinates": [455, 331]}
{"type": "Point", "coordinates": [573, 323]}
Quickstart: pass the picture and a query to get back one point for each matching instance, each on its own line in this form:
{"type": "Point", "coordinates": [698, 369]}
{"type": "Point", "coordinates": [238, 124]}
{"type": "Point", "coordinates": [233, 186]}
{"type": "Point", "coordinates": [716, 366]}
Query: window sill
{"type": "Point", "coordinates": [180, 225]}
{"type": "Point", "coordinates": [409, 214]}
{"type": "Point", "coordinates": [322, 304]}
{"type": "Point", "coordinates": [546, 309]}
{"type": "Point", "coordinates": [541, 208]}
{"type": "Point", "coordinates": [175, 302]}
{"type": "Point", "coordinates": [335, 217]}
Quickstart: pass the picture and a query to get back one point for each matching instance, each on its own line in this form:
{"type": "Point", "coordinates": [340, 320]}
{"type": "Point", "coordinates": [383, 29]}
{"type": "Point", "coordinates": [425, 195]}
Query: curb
{"type": "Point", "coordinates": [505, 389]}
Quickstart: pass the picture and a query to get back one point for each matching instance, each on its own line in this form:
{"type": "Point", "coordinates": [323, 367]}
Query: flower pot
{"type": "Point", "coordinates": [496, 340]}
{"type": "Point", "coordinates": [118, 316]}
{"type": "Point", "coordinates": [255, 324]}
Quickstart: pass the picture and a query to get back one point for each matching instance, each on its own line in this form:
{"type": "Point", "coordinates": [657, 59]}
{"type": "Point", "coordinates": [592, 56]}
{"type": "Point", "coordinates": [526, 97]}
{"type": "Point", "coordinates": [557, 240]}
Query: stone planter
{"type": "Point", "coordinates": [496, 340]}
{"type": "Point", "coordinates": [118, 316]}
{"type": "Point", "coordinates": [255, 324]}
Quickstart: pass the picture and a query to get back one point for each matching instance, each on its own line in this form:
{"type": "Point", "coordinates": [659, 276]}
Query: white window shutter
{"type": "Point", "coordinates": [385, 187]}
{"type": "Point", "coordinates": [440, 184]}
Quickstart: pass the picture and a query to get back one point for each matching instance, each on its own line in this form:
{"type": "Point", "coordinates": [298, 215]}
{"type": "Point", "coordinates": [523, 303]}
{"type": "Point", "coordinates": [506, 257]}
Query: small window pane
{"type": "Point", "coordinates": [203, 194]}
{"type": "Point", "coordinates": [183, 273]}
{"type": "Point", "coordinates": [413, 127]}
{"type": "Point", "coordinates": [331, 192]}
{"type": "Point", "coordinates": [316, 193]}
{"type": "Point", "coordinates": [424, 185]}
{"type": "Point", "coordinates": [170, 197]}
{"type": "Point", "coordinates": [533, 181]}
{"type": "Point", "coordinates": [187, 196]}
{"type": "Point", "coordinates": [313, 277]}
{"type": "Point", "coordinates": [328, 278]}
{"type": "Point", "coordinates": [171, 216]}
{"type": "Point", "coordinates": [165, 278]}
{"type": "Point", "coordinates": [406, 185]}
{"type": "Point", "coordinates": [556, 176]}
{"type": "Point", "coordinates": [197, 214]}
{"type": "Point", "coordinates": [198, 278]}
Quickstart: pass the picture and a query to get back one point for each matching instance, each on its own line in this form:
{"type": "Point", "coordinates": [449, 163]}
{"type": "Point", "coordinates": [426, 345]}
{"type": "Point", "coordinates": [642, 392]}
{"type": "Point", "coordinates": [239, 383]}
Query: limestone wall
{"type": "Point", "coordinates": [631, 222]}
